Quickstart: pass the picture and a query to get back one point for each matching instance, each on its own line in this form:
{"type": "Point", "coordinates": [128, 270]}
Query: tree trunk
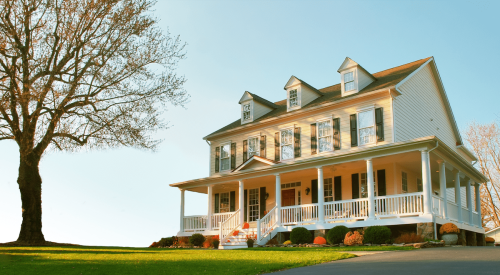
{"type": "Point", "coordinates": [30, 185]}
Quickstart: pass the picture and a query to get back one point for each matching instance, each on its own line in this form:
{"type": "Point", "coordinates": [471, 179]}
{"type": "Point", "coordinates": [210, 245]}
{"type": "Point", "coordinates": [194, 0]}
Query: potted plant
{"type": "Point", "coordinates": [449, 232]}
{"type": "Point", "coordinates": [251, 240]}
{"type": "Point", "coordinates": [490, 241]}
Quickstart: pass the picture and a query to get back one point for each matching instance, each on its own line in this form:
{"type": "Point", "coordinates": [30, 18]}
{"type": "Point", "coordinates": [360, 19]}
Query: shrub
{"type": "Point", "coordinates": [336, 235]}
{"type": "Point", "coordinates": [489, 240]}
{"type": "Point", "coordinates": [182, 241]}
{"type": "Point", "coordinates": [377, 234]}
{"type": "Point", "coordinates": [409, 238]}
{"type": "Point", "coordinates": [215, 243]}
{"type": "Point", "coordinates": [166, 242]}
{"type": "Point", "coordinates": [196, 239]}
{"type": "Point", "coordinates": [246, 225]}
{"type": "Point", "coordinates": [154, 244]}
{"type": "Point", "coordinates": [319, 240]}
{"type": "Point", "coordinates": [215, 238]}
{"type": "Point", "coordinates": [272, 242]}
{"type": "Point", "coordinates": [208, 242]}
{"type": "Point", "coordinates": [250, 242]}
{"type": "Point", "coordinates": [300, 235]}
{"type": "Point", "coordinates": [287, 242]}
{"type": "Point", "coordinates": [353, 238]}
{"type": "Point", "coordinates": [448, 228]}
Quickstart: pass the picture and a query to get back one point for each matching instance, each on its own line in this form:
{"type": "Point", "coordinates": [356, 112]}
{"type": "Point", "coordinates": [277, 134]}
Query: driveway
{"type": "Point", "coordinates": [442, 261]}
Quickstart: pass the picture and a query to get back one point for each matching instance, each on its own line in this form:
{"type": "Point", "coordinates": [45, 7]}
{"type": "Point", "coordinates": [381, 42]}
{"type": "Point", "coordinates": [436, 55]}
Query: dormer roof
{"type": "Point", "coordinates": [247, 95]}
{"type": "Point", "coordinates": [293, 80]}
{"type": "Point", "coordinates": [349, 63]}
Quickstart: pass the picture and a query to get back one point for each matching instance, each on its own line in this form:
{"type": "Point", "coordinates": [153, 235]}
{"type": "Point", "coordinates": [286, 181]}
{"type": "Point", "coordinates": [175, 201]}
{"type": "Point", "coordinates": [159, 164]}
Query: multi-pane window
{"type": "Point", "coordinates": [253, 146]}
{"type": "Point", "coordinates": [404, 181]}
{"type": "Point", "coordinates": [349, 81]}
{"type": "Point", "coordinates": [364, 185]}
{"type": "Point", "coordinates": [328, 189]}
{"type": "Point", "coordinates": [420, 188]}
{"type": "Point", "coordinates": [253, 202]}
{"type": "Point", "coordinates": [246, 112]}
{"type": "Point", "coordinates": [287, 144]}
{"type": "Point", "coordinates": [225, 157]}
{"type": "Point", "coordinates": [293, 99]}
{"type": "Point", "coordinates": [325, 136]}
{"type": "Point", "coordinates": [290, 185]}
{"type": "Point", "coordinates": [366, 127]}
{"type": "Point", "coordinates": [224, 202]}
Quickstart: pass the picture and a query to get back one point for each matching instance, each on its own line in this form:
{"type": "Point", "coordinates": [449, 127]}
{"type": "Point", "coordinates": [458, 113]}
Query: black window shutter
{"type": "Point", "coordinates": [354, 131]}
{"type": "Point", "coordinates": [262, 201]}
{"type": "Point", "coordinates": [233, 155]}
{"type": "Point", "coordinates": [245, 205]}
{"type": "Point", "coordinates": [263, 146]}
{"type": "Point", "coordinates": [297, 142]}
{"type": "Point", "coordinates": [314, 191]}
{"type": "Point", "coordinates": [217, 160]}
{"type": "Point", "coordinates": [379, 121]}
{"type": "Point", "coordinates": [381, 183]}
{"type": "Point", "coordinates": [336, 133]}
{"type": "Point", "coordinates": [337, 183]}
{"type": "Point", "coordinates": [232, 198]}
{"type": "Point", "coordinates": [277, 146]}
{"type": "Point", "coordinates": [313, 139]}
{"type": "Point", "coordinates": [245, 150]}
{"type": "Point", "coordinates": [355, 186]}
{"type": "Point", "coordinates": [216, 202]}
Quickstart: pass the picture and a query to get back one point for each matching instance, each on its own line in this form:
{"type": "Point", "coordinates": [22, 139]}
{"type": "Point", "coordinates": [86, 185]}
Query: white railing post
{"type": "Point", "coordinates": [426, 181]}
{"type": "Point", "coordinates": [478, 203]}
{"type": "Point", "coordinates": [209, 215]}
{"type": "Point", "coordinates": [241, 195]}
{"type": "Point", "coordinates": [278, 199]}
{"type": "Point", "coordinates": [371, 191]}
{"type": "Point", "coordinates": [220, 231]}
{"type": "Point", "coordinates": [321, 196]}
{"type": "Point", "coordinates": [469, 202]}
{"type": "Point", "coordinates": [182, 210]}
{"type": "Point", "coordinates": [458, 197]}
{"type": "Point", "coordinates": [442, 187]}
{"type": "Point", "coordinates": [258, 230]}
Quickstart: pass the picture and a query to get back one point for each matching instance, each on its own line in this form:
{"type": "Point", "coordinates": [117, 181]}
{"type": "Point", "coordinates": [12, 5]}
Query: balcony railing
{"type": "Point", "coordinates": [398, 205]}
{"type": "Point", "coordinates": [299, 214]}
{"type": "Point", "coordinates": [348, 209]}
{"type": "Point", "coordinates": [195, 223]}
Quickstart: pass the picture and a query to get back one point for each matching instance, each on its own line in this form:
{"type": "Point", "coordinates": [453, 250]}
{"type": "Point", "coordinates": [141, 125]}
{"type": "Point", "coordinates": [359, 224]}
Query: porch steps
{"type": "Point", "coordinates": [238, 241]}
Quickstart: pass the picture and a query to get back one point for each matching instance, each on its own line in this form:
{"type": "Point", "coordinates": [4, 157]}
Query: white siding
{"type": "Point", "coordinates": [420, 110]}
{"type": "Point", "coordinates": [307, 95]}
{"type": "Point", "coordinates": [260, 110]}
{"type": "Point", "coordinates": [363, 79]}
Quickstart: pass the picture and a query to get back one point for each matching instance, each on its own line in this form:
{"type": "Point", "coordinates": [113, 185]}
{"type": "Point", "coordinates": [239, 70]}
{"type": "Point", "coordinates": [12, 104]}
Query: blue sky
{"type": "Point", "coordinates": [121, 196]}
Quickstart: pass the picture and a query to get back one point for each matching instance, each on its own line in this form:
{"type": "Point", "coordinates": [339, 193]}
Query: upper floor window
{"type": "Point", "coordinates": [253, 146]}
{"type": "Point", "coordinates": [287, 144]}
{"type": "Point", "coordinates": [404, 182]}
{"type": "Point", "coordinates": [325, 135]}
{"type": "Point", "coordinates": [349, 81]}
{"type": "Point", "coordinates": [246, 112]}
{"type": "Point", "coordinates": [366, 127]}
{"type": "Point", "coordinates": [293, 99]}
{"type": "Point", "coordinates": [225, 157]}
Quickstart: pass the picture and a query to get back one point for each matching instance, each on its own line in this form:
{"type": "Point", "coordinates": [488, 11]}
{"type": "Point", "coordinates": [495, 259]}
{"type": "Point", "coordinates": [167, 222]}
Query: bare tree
{"type": "Point", "coordinates": [484, 140]}
{"type": "Point", "coordinates": [81, 74]}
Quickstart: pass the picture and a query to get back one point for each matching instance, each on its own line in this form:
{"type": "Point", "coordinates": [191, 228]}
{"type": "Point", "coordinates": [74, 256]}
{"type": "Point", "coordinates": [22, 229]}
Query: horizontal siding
{"type": "Point", "coordinates": [259, 110]}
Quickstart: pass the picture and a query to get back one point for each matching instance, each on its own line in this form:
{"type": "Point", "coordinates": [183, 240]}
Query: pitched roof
{"type": "Point", "coordinates": [384, 79]}
{"type": "Point", "coordinates": [263, 101]}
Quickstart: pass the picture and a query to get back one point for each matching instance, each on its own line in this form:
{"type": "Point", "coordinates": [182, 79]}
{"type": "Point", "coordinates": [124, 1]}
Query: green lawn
{"type": "Point", "coordinates": [115, 260]}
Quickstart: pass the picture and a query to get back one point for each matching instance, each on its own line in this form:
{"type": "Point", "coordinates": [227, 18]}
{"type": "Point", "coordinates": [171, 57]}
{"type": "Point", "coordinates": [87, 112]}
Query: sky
{"type": "Point", "coordinates": [121, 197]}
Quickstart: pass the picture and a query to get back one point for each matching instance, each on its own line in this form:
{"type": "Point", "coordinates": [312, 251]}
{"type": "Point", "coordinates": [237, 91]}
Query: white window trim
{"type": "Point", "coordinates": [293, 143]}
{"type": "Point", "coordinates": [317, 134]}
{"type": "Point", "coordinates": [299, 101]}
{"type": "Point", "coordinates": [333, 188]}
{"type": "Point", "coordinates": [355, 77]}
{"type": "Point", "coordinates": [243, 121]}
{"type": "Point", "coordinates": [220, 156]}
{"type": "Point", "coordinates": [258, 145]}
{"type": "Point", "coordinates": [366, 109]}
{"type": "Point", "coordinates": [248, 202]}
{"type": "Point", "coordinates": [297, 190]}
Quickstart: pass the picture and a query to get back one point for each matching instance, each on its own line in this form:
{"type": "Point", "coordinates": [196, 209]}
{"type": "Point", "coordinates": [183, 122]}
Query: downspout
{"type": "Point", "coordinates": [209, 157]}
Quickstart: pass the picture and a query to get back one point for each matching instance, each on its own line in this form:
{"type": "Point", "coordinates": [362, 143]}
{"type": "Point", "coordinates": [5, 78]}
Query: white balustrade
{"type": "Point", "coordinates": [267, 224]}
{"type": "Point", "coordinates": [220, 217]}
{"type": "Point", "coordinates": [299, 214]}
{"type": "Point", "coordinates": [437, 206]}
{"type": "Point", "coordinates": [476, 219]}
{"type": "Point", "coordinates": [347, 209]}
{"type": "Point", "coordinates": [403, 204]}
{"type": "Point", "coordinates": [452, 211]}
{"type": "Point", "coordinates": [195, 223]}
{"type": "Point", "coordinates": [465, 215]}
{"type": "Point", "coordinates": [228, 226]}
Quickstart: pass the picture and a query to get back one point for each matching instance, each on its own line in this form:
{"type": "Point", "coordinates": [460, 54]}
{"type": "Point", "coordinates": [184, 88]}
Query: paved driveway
{"type": "Point", "coordinates": [442, 261]}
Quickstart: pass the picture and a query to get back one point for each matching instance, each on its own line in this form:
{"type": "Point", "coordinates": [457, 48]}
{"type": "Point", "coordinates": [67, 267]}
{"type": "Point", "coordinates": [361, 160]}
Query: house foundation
{"type": "Point", "coordinates": [426, 230]}
{"type": "Point", "coordinates": [471, 238]}
{"type": "Point", "coordinates": [481, 239]}
{"type": "Point", "coordinates": [462, 240]}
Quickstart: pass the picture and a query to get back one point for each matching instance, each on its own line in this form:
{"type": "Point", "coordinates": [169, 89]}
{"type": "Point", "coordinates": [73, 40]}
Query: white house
{"type": "Point", "coordinates": [375, 149]}
{"type": "Point", "coordinates": [495, 234]}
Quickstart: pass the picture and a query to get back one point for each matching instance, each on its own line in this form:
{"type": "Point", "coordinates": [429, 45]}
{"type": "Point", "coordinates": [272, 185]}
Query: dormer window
{"type": "Point", "coordinates": [293, 100]}
{"type": "Point", "coordinates": [349, 81]}
{"type": "Point", "coordinates": [246, 112]}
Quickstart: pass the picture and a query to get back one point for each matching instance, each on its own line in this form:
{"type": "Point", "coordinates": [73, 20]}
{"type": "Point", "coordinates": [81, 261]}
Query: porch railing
{"type": "Point", "coordinates": [348, 209]}
{"type": "Point", "coordinates": [403, 204]}
{"type": "Point", "coordinates": [227, 227]}
{"type": "Point", "coordinates": [465, 215]}
{"type": "Point", "coordinates": [267, 224]}
{"type": "Point", "coordinates": [438, 206]}
{"type": "Point", "coordinates": [299, 214]}
{"type": "Point", "coordinates": [476, 218]}
{"type": "Point", "coordinates": [220, 217]}
{"type": "Point", "coordinates": [195, 223]}
{"type": "Point", "coordinates": [452, 211]}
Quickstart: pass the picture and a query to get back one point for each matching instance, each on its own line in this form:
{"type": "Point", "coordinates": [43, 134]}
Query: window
{"type": "Point", "coordinates": [246, 112]}
{"type": "Point", "coordinates": [404, 182]}
{"type": "Point", "coordinates": [224, 202]}
{"type": "Point", "coordinates": [290, 185]}
{"type": "Point", "coordinates": [225, 157]}
{"type": "Point", "coordinates": [325, 136]}
{"type": "Point", "coordinates": [349, 81]}
{"type": "Point", "coordinates": [364, 185]}
{"type": "Point", "coordinates": [328, 187]}
{"type": "Point", "coordinates": [253, 203]}
{"type": "Point", "coordinates": [420, 188]}
{"type": "Point", "coordinates": [287, 144]}
{"type": "Point", "coordinates": [293, 99]}
{"type": "Point", "coordinates": [253, 146]}
{"type": "Point", "coordinates": [366, 127]}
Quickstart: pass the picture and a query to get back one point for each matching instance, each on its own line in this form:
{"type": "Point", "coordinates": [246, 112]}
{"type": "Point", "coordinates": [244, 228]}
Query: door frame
{"type": "Point", "coordinates": [296, 188]}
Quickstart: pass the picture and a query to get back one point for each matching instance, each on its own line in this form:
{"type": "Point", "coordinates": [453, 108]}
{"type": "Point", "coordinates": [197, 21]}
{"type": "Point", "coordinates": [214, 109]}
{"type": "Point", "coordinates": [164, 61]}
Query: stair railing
{"type": "Point", "coordinates": [227, 227]}
{"type": "Point", "coordinates": [267, 224]}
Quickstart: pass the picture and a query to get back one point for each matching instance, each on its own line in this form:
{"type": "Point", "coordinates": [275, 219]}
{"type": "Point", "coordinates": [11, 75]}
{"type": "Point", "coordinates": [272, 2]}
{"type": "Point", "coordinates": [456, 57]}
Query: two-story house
{"type": "Point", "coordinates": [375, 149]}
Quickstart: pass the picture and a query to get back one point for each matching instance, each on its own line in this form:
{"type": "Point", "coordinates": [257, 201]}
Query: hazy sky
{"type": "Point", "coordinates": [121, 197]}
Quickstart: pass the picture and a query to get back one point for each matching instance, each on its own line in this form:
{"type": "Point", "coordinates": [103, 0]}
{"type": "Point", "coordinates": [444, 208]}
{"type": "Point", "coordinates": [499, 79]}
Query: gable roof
{"type": "Point", "coordinates": [384, 79]}
{"type": "Point", "coordinates": [252, 159]}
{"type": "Point", "coordinates": [303, 83]}
{"type": "Point", "coordinates": [349, 63]}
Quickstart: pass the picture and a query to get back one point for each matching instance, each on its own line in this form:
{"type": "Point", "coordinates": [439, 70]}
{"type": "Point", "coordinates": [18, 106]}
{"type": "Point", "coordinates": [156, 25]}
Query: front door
{"type": "Point", "coordinates": [288, 197]}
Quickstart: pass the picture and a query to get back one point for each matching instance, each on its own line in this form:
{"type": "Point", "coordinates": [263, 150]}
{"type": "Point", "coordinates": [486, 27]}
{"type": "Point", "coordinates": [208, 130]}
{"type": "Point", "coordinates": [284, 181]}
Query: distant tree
{"type": "Point", "coordinates": [81, 73]}
{"type": "Point", "coordinates": [484, 141]}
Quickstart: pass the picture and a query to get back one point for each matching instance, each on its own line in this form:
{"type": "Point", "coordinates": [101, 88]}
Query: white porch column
{"type": "Point", "coordinates": [458, 197]}
{"type": "Point", "coordinates": [241, 194]}
{"type": "Point", "coordinates": [469, 201]}
{"type": "Point", "coordinates": [442, 187]}
{"type": "Point", "coordinates": [478, 203]}
{"type": "Point", "coordinates": [321, 196]}
{"type": "Point", "coordinates": [278, 198]}
{"type": "Point", "coordinates": [426, 181]}
{"type": "Point", "coordinates": [182, 210]}
{"type": "Point", "coordinates": [371, 191]}
{"type": "Point", "coordinates": [210, 202]}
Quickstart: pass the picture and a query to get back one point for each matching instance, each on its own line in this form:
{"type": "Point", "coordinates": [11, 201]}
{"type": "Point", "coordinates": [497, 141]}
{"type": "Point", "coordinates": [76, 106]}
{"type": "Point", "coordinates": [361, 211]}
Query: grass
{"type": "Point", "coordinates": [115, 260]}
